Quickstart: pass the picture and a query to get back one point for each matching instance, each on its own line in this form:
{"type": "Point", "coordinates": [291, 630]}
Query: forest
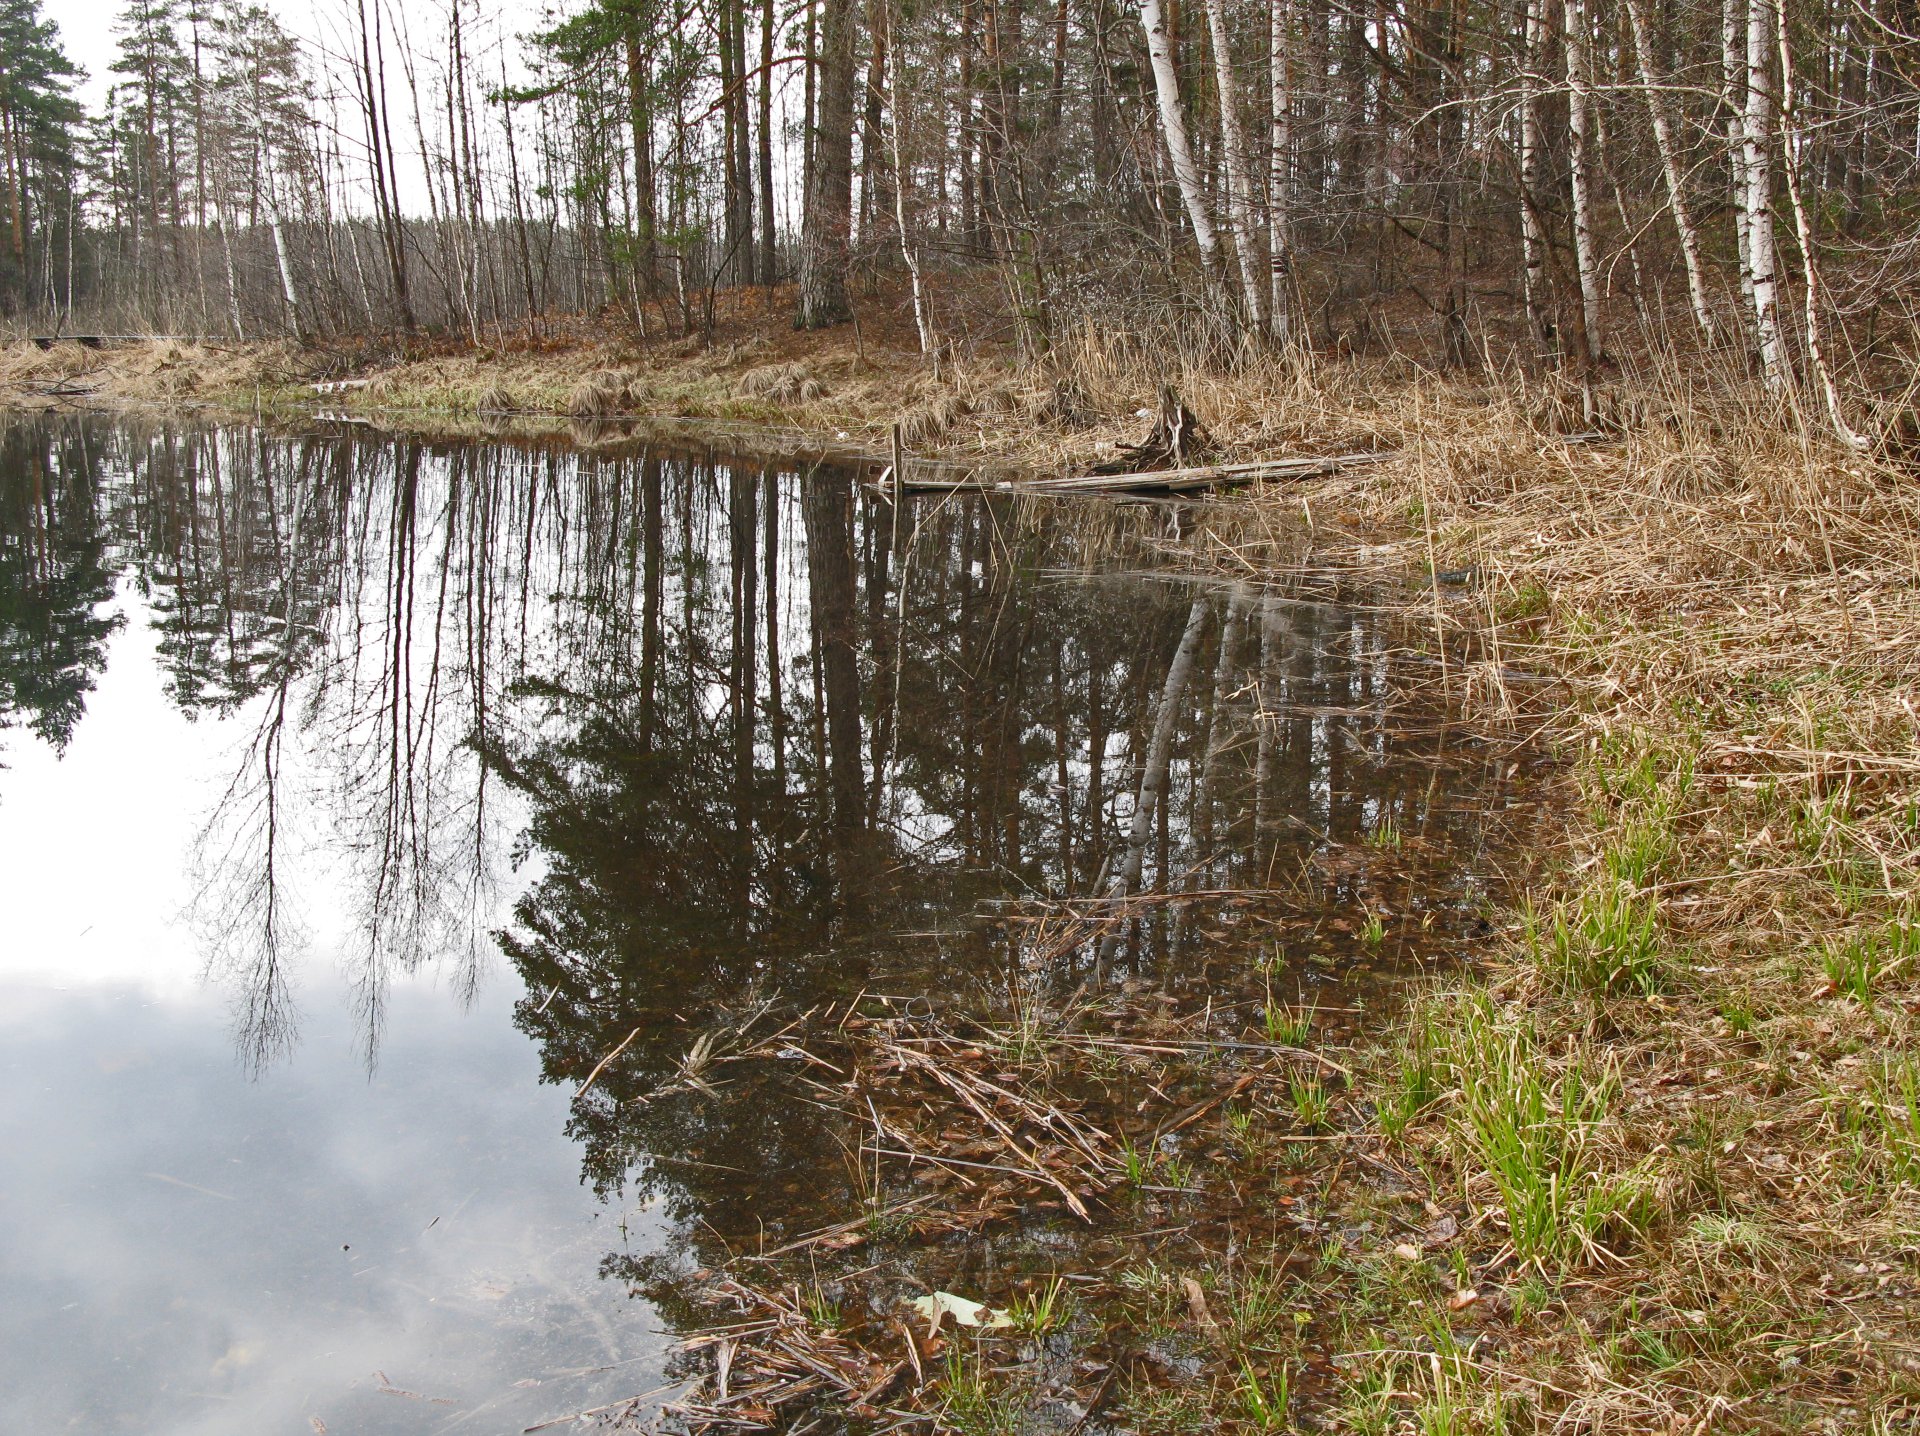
{"type": "Point", "coordinates": [1549, 179]}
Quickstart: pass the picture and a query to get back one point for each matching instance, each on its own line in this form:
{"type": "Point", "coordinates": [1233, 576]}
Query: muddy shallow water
{"type": "Point", "coordinates": [383, 823]}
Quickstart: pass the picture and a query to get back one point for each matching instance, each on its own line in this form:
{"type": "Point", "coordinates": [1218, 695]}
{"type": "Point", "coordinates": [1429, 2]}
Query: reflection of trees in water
{"type": "Point", "coordinates": [743, 727]}
{"type": "Point", "coordinates": [936, 715]}
{"type": "Point", "coordinates": [753, 720]}
{"type": "Point", "coordinates": [54, 576]}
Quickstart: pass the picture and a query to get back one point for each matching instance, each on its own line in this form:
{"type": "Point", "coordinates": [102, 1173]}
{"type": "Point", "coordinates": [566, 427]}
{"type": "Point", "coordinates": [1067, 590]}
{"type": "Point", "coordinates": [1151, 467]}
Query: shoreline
{"type": "Point", "coordinates": [1665, 1140]}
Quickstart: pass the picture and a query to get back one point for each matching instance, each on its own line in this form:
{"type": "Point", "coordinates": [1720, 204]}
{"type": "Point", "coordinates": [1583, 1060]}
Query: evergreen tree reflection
{"type": "Point", "coordinates": [55, 576]}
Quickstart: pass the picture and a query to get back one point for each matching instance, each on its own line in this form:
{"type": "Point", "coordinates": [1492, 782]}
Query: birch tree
{"type": "Point", "coordinates": [1280, 173]}
{"type": "Point", "coordinates": [1234, 154]}
{"type": "Point", "coordinates": [1580, 165]}
{"type": "Point", "coordinates": [1173, 132]}
{"type": "Point", "coordinates": [1533, 238]}
{"type": "Point", "coordinates": [1756, 143]}
{"type": "Point", "coordinates": [1670, 168]}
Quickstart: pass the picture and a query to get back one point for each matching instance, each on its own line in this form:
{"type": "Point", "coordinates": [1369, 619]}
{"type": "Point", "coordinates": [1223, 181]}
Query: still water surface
{"type": "Point", "coordinates": [360, 795]}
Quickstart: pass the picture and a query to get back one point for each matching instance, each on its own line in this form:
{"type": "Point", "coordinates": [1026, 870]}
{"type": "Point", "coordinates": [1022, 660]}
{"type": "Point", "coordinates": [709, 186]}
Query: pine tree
{"type": "Point", "coordinates": [39, 123]}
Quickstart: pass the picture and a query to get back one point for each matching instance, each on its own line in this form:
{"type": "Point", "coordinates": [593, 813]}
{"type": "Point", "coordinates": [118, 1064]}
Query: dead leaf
{"type": "Point", "coordinates": [1407, 1251]}
{"type": "Point", "coordinates": [1197, 1303]}
{"type": "Point", "coordinates": [1462, 1299]}
{"type": "Point", "coordinates": [319, 1426]}
{"type": "Point", "coordinates": [943, 1304]}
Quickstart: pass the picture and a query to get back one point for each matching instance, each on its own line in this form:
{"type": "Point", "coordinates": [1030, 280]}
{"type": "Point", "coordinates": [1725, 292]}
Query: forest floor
{"type": "Point", "coordinates": [1655, 1161]}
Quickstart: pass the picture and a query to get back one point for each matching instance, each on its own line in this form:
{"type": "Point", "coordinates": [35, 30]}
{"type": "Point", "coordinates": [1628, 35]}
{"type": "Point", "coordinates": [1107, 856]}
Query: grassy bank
{"type": "Point", "coordinates": [1673, 1127]}
{"type": "Point", "coordinates": [842, 389]}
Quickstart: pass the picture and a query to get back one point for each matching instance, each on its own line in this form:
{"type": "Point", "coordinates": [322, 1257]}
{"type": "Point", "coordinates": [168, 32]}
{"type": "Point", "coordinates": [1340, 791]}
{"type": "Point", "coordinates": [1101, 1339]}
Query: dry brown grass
{"type": "Point", "coordinates": [1731, 602]}
{"type": "Point", "coordinates": [495, 399]}
{"type": "Point", "coordinates": [597, 396]}
{"type": "Point", "coordinates": [165, 372]}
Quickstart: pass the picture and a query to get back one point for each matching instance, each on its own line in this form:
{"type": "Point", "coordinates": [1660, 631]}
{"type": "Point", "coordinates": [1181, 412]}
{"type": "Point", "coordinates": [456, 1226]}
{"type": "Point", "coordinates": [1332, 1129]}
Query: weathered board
{"type": "Point", "coordinates": [1153, 481]}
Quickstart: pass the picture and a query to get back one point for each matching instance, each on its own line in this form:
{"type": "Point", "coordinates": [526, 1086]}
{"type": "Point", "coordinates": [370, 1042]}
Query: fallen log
{"type": "Point", "coordinates": [1158, 481]}
{"type": "Point", "coordinates": [101, 341]}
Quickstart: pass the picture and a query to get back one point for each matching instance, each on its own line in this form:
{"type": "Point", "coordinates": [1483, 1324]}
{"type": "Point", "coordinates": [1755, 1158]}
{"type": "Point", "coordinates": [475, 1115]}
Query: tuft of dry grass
{"type": "Point", "coordinates": [597, 396]}
{"type": "Point", "coordinates": [494, 399]}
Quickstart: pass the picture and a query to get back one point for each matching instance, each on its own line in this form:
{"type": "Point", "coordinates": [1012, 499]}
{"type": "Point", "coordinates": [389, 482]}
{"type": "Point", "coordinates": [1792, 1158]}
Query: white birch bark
{"type": "Point", "coordinates": [1733, 88]}
{"type": "Point", "coordinates": [233, 276]}
{"type": "Point", "coordinates": [1756, 155]}
{"type": "Point", "coordinates": [1803, 230]}
{"type": "Point", "coordinates": [1670, 167]}
{"type": "Point", "coordinates": [1280, 177]}
{"type": "Point", "coordinates": [1233, 141]}
{"type": "Point", "coordinates": [1533, 239]}
{"type": "Point", "coordinates": [1580, 126]}
{"type": "Point", "coordinates": [1173, 128]}
{"type": "Point", "coordinates": [278, 227]}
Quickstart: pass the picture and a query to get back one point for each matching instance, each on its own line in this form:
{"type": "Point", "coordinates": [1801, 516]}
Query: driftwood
{"type": "Point", "coordinates": [1158, 481]}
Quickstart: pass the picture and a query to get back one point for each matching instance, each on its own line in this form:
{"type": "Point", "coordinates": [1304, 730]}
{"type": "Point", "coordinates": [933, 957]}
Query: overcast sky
{"type": "Point", "coordinates": [86, 27]}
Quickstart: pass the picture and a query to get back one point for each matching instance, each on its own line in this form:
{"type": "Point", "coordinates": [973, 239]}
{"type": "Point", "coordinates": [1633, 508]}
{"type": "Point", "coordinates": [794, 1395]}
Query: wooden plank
{"type": "Point", "coordinates": [1187, 480]}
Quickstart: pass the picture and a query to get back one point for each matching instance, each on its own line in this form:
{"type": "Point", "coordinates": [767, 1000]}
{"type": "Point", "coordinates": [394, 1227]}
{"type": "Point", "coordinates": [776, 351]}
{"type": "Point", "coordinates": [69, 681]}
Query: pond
{"type": "Point", "coordinates": [384, 822]}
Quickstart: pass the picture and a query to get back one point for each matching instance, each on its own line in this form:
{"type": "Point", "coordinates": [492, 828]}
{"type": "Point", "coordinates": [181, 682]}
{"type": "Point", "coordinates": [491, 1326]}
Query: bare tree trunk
{"type": "Point", "coordinates": [769, 240]}
{"type": "Point", "coordinates": [280, 245]}
{"type": "Point", "coordinates": [828, 221]}
{"type": "Point", "coordinates": [873, 146]}
{"type": "Point", "coordinates": [1234, 152]}
{"type": "Point", "coordinates": [522, 247]}
{"type": "Point", "coordinates": [1580, 137]}
{"type": "Point", "coordinates": [922, 321]}
{"type": "Point", "coordinates": [1670, 167]}
{"type": "Point", "coordinates": [1803, 230]}
{"type": "Point", "coordinates": [640, 126]}
{"type": "Point", "coordinates": [742, 144]}
{"type": "Point", "coordinates": [233, 277]}
{"type": "Point", "coordinates": [1280, 175]}
{"type": "Point", "coordinates": [380, 148]}
{"type": "Point", "coordinates": [1733, 87]}
{"type": "Point", "coordinates": [1756, 154]}
{"type": "Point", "coordinates": [1173, 129]}
{"type": "Point", "coordinates": [1533, 236]}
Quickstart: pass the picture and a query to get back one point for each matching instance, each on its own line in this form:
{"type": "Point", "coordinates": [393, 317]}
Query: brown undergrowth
{"type": "Point", "coordinates": [1678, 1115]}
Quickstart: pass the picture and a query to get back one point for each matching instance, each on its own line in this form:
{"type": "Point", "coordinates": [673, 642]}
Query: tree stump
{"type": "Point", "coordinates": [1176, 440]}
